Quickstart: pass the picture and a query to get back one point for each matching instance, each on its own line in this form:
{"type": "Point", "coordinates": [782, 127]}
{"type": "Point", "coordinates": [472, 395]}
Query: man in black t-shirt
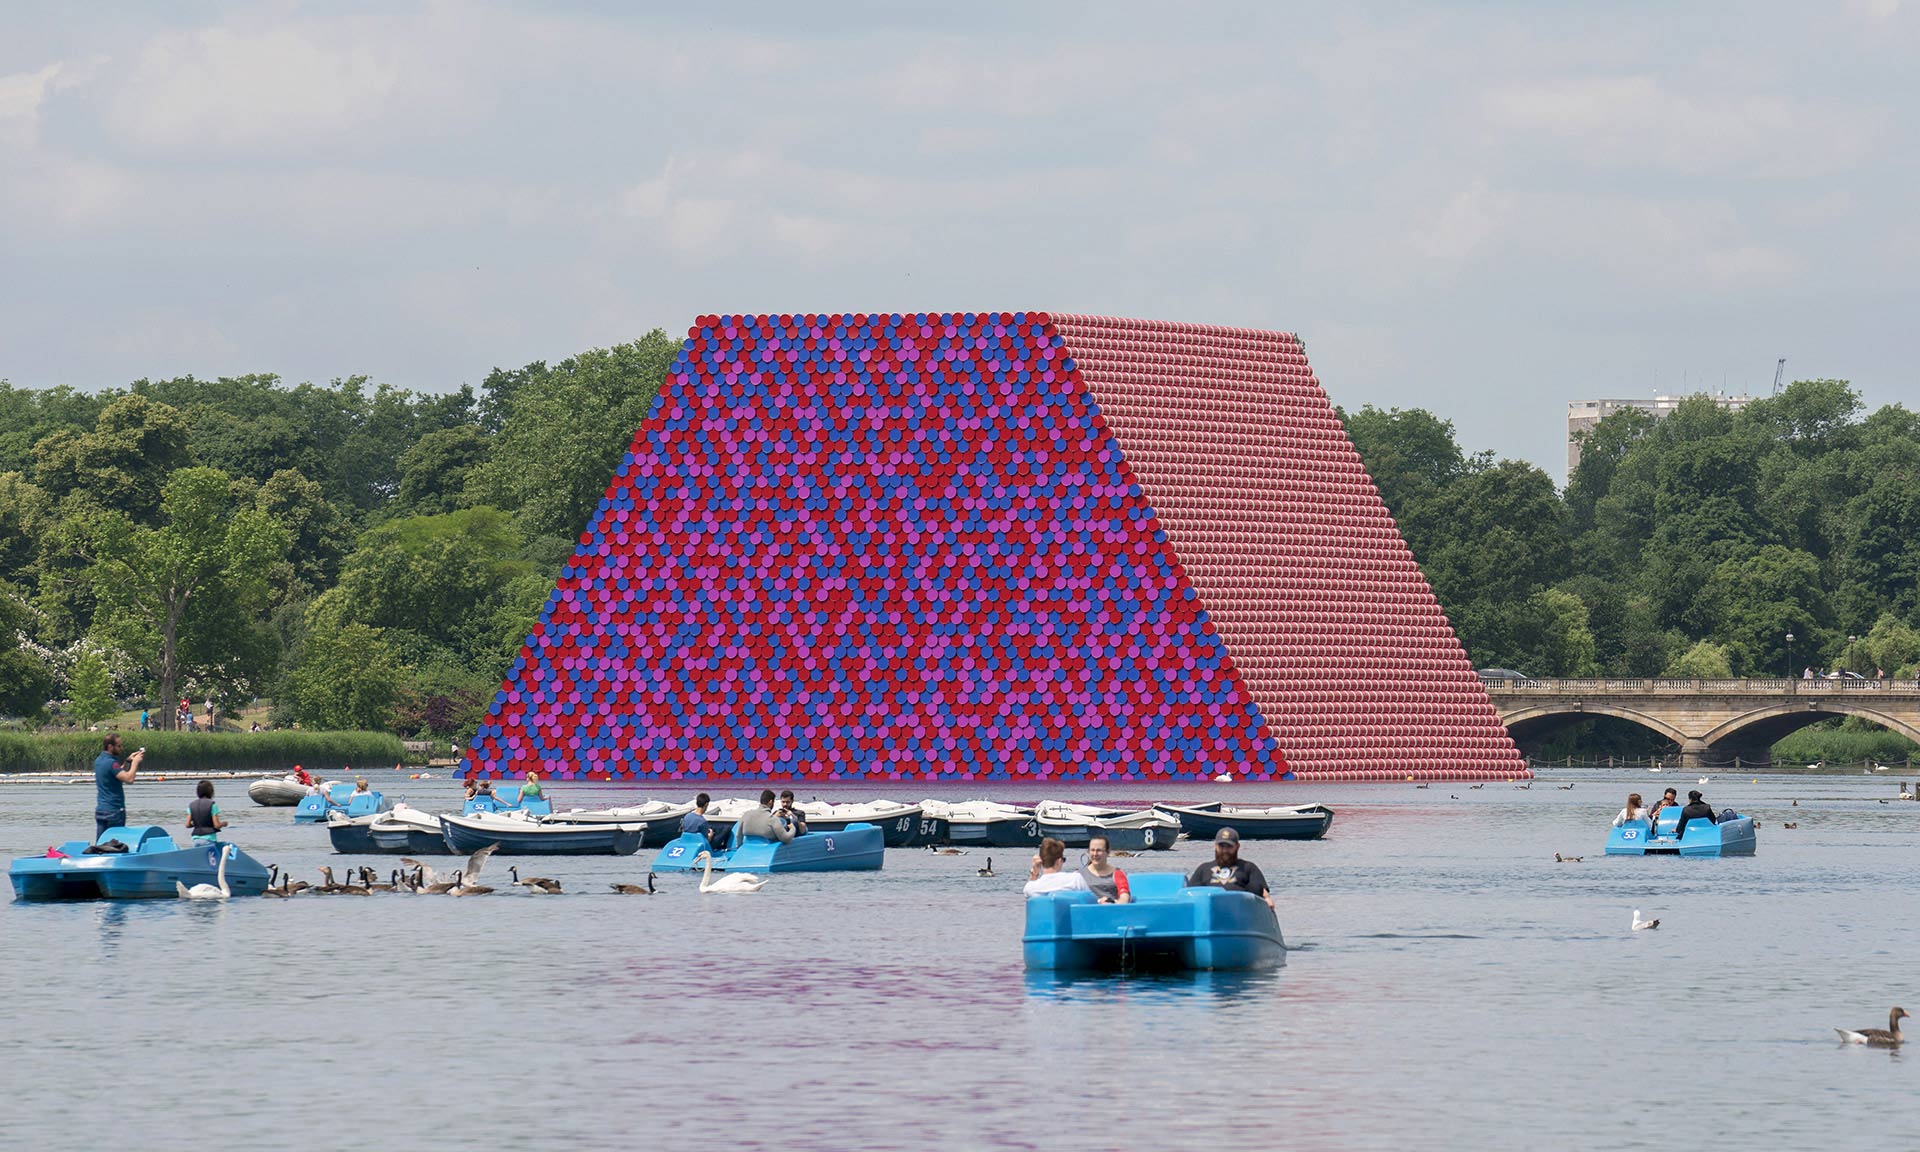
{"type": "Point", "coordinates": [1229, 871]}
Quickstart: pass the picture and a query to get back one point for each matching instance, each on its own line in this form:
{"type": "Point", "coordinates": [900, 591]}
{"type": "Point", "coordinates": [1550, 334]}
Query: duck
{"type": "Point", "coordinates": [988, 870]}
{"type": "Point", "coordinates": [1791, 824]}
{"type": "Point", "coordinates": [1889, 1037]}
{"type": "Point", "coordinates": [1796, 802]}
{"type": "Point", "coordinates": [1640, 925]}
{"type": "Point", "coordinates": [1559, 859]}
{"type": "Point", "coordinates": [734, 882]}
{"type": "Point", "coordinates": [634, 889]}
{"type": "Point", "coordinates": [216, 891]}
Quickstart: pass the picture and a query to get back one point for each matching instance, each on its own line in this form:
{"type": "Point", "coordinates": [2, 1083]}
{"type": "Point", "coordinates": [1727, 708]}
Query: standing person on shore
{"type": "Point", "coordinates": [110, 777]}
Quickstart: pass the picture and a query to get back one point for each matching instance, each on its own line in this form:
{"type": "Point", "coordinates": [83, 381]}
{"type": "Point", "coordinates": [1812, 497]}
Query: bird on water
{"type": "Point", "coordinates": [635, 889]}
{"type": "Point", "coordinates": [1888, 1037]}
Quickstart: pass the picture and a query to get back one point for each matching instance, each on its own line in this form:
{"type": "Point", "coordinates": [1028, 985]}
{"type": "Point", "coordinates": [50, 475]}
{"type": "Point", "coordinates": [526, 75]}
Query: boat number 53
{"type": "Point", "coordinates": [1629, 833]}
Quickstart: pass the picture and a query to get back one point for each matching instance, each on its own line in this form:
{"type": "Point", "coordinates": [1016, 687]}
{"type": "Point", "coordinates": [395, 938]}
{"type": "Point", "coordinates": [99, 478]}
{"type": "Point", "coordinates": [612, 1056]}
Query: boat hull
{"type": "Point", "coordinates": [1168, 927]}
{"type": "Point", "coordinates": [149, 873]}
{"type": "Point", "coordinates": [1202, 822]}
{"type": "Point", "coordinates": [463, 836]}
{"type": "Point", "coordinates": [900, 830]}
{"type": "Point", "coordinates": [998, 832]}
{"type": "Point", "coordinates": [857, 848]}
{"type": "Point", "coordinates": [351, 837]}
{"type": "Point", "coordinates": [390, 840]}
{"type": "Point", "coordinates": [276, 792]}
{"type": "Point", "coordinates": [1703, 839]}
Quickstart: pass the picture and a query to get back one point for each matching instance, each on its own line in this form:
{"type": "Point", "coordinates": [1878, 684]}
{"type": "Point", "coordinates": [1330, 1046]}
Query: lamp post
{"type": "Point", "coordinates": [1792, 683]}
{"type": "Point", "coordinates": [1851, 641]}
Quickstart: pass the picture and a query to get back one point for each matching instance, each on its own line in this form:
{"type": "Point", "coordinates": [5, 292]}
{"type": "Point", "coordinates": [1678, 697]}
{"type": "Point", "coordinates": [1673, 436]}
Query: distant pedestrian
{"type": "Point", "coordinates": [1808, 673]}
{"type": "Point", "coordinates": [144, 722]}
{"type": "Point", "coordinates": [1879, 673]}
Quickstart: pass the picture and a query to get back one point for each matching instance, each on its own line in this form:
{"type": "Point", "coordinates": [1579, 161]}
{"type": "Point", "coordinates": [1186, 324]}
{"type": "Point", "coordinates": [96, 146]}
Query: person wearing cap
{"type": "Point", "coordinates": [1696, 809]}
{"type": "Point", "coordinates": [1229, 871]}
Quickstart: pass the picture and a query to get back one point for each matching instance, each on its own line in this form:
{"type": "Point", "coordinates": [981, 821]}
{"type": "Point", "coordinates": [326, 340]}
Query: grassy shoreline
{"type": "Point", "coordinates": [185, 752]}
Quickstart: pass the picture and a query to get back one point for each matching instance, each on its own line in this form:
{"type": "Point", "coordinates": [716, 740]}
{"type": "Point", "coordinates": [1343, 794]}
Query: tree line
{"type": "Point", "coordinates": [370, 557]}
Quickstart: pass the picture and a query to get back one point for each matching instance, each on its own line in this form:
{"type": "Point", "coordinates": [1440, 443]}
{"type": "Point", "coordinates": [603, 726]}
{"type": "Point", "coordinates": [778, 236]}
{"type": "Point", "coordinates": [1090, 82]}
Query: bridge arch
{"type": "Point", "coordinates": [1554, 715]}
{"type": "Point", "coordinates": [1766, 725]}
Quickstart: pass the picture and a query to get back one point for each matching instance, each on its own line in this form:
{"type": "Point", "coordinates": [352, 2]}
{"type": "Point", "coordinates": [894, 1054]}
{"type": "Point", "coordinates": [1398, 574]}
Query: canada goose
{"type": "Point", "coordinates": [423, 876]}
{"type": "Point", "coordinates": [1477, 787]}
{"type": "Point", "coordinates": [1559, 859]}
{"type": "Point", "coordinates": [470, 890]}
{"type": "Point", "coordinates": [635, 889]}
{"type": "Point", "coordinates": [440, 886]}
{"type": "Point", "coordinates": [280, 893]}
{"type": "Point", "coordinates": [541, 883]}
{"type": "Point", "coordinates": [273, 870]}
{"type": "Point", "coordinates": [1120, 853]}
{"type": "Point", "coordinates": [1796, 803]}
{"type": "Point", "coordinates": [1640, 925]}
{"type": "Point", "coordinates": [988, 870]}
{"type": "Point", "coordinates": [946, 851]}
{"type": "Point", "coordinates": [216, 891]}
{"type": "Point", "coordinates": [367, 881]}
{"type": "Point", "coordinates": [1566, 787]}
{"type": "Point", "coordinates": [1451, 796]}
{"type": "Point", "coordinates": [1423, 785]}
{"type": "Point", "coordinates": [1875, 1037]}
{"type": "Point", "coordinates": [732, 883]}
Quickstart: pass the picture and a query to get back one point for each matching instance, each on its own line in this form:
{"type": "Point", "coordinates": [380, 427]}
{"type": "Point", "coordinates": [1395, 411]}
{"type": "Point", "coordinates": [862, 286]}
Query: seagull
{"type": "Point", "coordinates": [208, 891]}
{"type": "Point", "coordinates": [1875, 1037]}
{"type": "Point", "coordinates": [1640, 925]}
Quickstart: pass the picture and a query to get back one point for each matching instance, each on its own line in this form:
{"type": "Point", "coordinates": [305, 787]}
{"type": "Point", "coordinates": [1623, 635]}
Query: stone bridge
{"type": "Point", "coordinates": [1712, 721]}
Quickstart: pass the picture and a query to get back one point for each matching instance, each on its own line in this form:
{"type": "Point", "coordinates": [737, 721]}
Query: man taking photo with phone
{"type": "Point", "coordinates": [110, 777]}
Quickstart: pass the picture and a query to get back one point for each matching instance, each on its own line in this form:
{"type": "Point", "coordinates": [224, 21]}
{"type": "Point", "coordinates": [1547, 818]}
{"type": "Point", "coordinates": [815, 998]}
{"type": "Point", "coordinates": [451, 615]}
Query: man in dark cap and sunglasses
{"type": "Point", "coordinates": [1228, 871]}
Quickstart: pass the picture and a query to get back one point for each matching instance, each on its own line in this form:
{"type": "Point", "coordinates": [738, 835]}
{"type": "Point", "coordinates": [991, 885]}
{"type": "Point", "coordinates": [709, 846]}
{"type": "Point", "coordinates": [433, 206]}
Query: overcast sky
{"type": "Point", "coordinates": [1487, 211]}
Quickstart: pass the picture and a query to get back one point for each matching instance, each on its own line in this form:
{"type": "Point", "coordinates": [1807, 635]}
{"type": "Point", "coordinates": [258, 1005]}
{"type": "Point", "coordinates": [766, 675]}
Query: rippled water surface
{"type": "Point", "coordinates": [1447, 985]}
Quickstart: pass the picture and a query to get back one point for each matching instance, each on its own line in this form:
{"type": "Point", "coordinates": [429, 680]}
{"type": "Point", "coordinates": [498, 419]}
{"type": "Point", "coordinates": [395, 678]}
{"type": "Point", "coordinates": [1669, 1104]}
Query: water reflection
{"type": "Point", "coordinates": [1152, 987]}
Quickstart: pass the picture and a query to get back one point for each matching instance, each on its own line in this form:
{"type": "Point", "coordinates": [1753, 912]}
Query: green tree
{"type": "Point", "coordinates": [346, 676]}
{"type": "Point", "coordinates": [1891, 645]}
{"type": "Point", "coordinates": [123, 464]}
{"type": "Point", "coordinates": [435, 583]}
{"type": "Point", "coordinates": [25, 682]}
{"type": "Point", "coordinates": [1752, 603]}
{"type": "Point", "coordinates": [90, 690]}
{"type": "Point", "coordinates": [435, 470]}
{"type": "Point", "coordinates": [563, 430]}
{"type": "Point", "coordinates": [207, 553]}
{"type": "Point", "coordinates": [1704, 661]}
{"type": "Point", "coordinates": [319, 536]}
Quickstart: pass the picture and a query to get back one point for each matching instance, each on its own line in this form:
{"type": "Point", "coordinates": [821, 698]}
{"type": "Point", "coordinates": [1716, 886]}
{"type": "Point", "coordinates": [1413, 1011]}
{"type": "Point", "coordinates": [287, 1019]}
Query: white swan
{"type": "Point", "coordinates": [1640, 925]}
{"type": "Point", "coordinates": [208, 891]}
{"type": "Point", "coordinates": [732, 882]}
{"type": "Point", "coordinates": [1704, 780]}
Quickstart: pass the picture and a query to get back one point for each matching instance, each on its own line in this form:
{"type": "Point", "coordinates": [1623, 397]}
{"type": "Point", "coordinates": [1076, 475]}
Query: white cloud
{"type": "Point", "coordinates": [21, 97]}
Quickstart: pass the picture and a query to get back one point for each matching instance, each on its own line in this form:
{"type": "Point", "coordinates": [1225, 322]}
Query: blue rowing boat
{"type": "Point", "coordinates": [1704, 837]}
{"type": "Point", "coordinates": [1167, 927]}
{"type": "Point", "coordinates": [148, 869]}
{"type": "Point", "coordinates": [855, 848]}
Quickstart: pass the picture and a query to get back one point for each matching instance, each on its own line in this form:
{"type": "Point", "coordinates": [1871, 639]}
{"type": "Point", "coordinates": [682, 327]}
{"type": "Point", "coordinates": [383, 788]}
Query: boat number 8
{"type": "Point", "coordinates": [1629, 833]}
{"type": "Point", "coordinates": [1149, 837]}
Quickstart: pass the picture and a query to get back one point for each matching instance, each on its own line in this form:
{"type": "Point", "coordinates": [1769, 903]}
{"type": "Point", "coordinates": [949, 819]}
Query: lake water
{"type": "Point", "coordinates": [1447, 985]}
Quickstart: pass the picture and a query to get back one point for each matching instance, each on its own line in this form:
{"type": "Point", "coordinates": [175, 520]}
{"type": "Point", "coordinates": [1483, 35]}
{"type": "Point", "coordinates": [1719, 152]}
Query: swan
{"type": "Point", "coordinates": [1640, 925]}
{"type": "Point", "coordinates": [215, 891]}
{"type": "Point", "coordinates": [1704, 780]}
{"type": "Point", "coordinates": [1877, 1038]}
{"type": "Point", "coordinates": [733, 882]}
{"type": "Point", "coordinates": [635, 889]}
{"type": "Point", "coordinates": [988, 870]}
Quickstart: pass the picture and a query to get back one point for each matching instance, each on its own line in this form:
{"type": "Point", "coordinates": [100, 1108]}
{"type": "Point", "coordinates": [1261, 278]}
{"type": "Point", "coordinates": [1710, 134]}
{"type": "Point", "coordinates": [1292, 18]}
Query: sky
{"type": "Point", "coordinates": [1487, 210]}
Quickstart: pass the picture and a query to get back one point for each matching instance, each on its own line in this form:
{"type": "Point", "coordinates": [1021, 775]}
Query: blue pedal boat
{"type": "Point", "coordinates": [1167, 927]}
{"type": "Point", "coordinates": [855, 848]}
{"type": "Point", "coordinates": [148, 870]}
{"type": "Point", "coordinates": [339, 798]}
{"type": "Point", "coordinates": [508, 799]}
{"type": "Point", "coordinates": [1704, 837]}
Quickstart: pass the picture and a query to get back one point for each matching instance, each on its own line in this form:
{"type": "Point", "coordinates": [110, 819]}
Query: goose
{"type": "Point", "coordinates": [1121, 852]}
{"type": "Point", "coordinates": [1523, 787]}
{"type": "Point", "coordinates": [1791, 824]}
{"type": "Point", "coordinates": [1640, 925]}
{"type": "Point", "coordinates": [470, 890]}
{"type": "Point", "coordinates": [1451, 796]}
{"type": "Point", "coordinates": [439, 887]}
{"type": "Point", "coordinates": [280, 893]}
{"type": "Point", "coordinates": [1796, 802]}
{"type": "Point", "coordinates": [368, 881]}
{"type": "Point", "coordinates": [331, 886]}
{"type": "Point", "coordinates": [1875, 1037]}
{"type": "Point", "coordinates": [635, 889]}
{"type": "Point", "coordinates": [216, 891]}
{"type": "Point", "coordinates": [988, 870]}
{"type": "Point", "coordinates": [540, 883]}
{"type": "Point", "coordinates": [733, 882]}
{"type": "Point", "coordinates": [1423, 785]}
{"type": "Point", "coordinates": [423, 875]}
{"type": "Point", "coordinates": [1559, 859]}
{"type": "Point", "coordinates": [1477, 787]}
{"type": "Point", "coordinates": [1566, 787]}
{"type": "Point", "coordinates": [946, 851]}
{"type": "Point", "coordinates": [352, 889]}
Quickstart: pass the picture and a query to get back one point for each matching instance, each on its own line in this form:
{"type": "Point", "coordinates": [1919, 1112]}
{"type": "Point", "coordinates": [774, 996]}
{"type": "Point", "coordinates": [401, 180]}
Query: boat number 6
{"type": "Point", "coordinates": [1629, 833]}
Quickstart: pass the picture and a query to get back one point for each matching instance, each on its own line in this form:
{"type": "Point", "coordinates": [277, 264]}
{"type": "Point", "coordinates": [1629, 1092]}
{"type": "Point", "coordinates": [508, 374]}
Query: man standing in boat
{"type": "Point", "coordinates": [1229, 871]}
{"type": "Point", "coordinates": [111, 775]}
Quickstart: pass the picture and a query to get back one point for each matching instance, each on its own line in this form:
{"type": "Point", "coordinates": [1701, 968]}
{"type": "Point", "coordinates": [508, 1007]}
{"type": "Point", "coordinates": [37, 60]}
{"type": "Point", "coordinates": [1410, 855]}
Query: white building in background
{"type": "Point", "coordinates": [1582, 415]}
